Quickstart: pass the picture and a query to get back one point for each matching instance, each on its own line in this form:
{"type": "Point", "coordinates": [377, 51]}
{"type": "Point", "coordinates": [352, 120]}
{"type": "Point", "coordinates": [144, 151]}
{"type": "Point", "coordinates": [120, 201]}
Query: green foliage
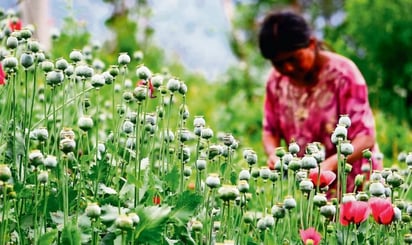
{"type": "Point", "coordinates": [376, 35]}
{"type": "Point", "coordinates": [71, 235]}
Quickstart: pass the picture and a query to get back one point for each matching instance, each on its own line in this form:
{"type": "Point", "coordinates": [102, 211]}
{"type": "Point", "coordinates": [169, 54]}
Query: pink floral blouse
{"type": "Point", "coordinates": [310, 114]}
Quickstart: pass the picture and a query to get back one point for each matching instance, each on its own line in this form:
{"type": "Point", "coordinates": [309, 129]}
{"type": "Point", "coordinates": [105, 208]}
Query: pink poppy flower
{"type": "Point", "coordinates": [310, 236]}
{"type": "Point", "coordinates": [2, 75]}
{"type": "Point", "coordinates": [354, 212]}
{"type": "Point", "coordinates": [151, 87]}
{"type": "Point", "coordinates": [326, 177]}
{"type": "Point", "coordinates": [15, 24]}
{"type": "Point", "coordinates": [382, 210]}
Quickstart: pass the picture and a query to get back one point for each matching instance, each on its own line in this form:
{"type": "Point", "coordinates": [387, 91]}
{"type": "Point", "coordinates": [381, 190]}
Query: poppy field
{"type": "Point", "coordinates": [98, 153]}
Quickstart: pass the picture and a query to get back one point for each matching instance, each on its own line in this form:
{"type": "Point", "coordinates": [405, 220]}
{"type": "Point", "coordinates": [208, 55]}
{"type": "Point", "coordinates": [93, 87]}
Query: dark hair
{"type": "Point", "coordinates": [283, 32]}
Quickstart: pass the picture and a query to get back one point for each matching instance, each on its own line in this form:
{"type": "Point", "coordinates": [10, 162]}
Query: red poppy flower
{"type": "Point", "coordinates": [326, 177]}
{"type": "Point", "coordinates": [382, 210]}
{"type": "Point", "coordinates": [156, 200]}
{"type": "Point", "coordinates": [2, 75]}
{"type": "Point", "coordinates": [354, 212]}
{"type": "Point", "coordinates": [151, 87]}
{"type": "Point", "coordinates": [15, 24]}
{"type": "Point", "coordinates": [310, 235]}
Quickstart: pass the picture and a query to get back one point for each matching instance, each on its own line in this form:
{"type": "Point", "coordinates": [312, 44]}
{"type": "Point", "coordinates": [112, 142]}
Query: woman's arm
{"type": "Point", "coordinates": [360, 143]}
{"type": "Point", "coordinates": [270, 142]}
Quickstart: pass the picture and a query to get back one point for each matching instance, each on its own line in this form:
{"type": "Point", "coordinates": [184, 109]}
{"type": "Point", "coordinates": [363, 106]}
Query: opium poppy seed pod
{"type": "Point", "coordinates": [47, 66]}
{"type": "Point", "coordinates": [143, 72]}
{"type": "Point", "coordinates": [50, 161]}
{"type": "Point", "coordinates": [123, 59]}
{"type": "Point", "coordinates": [293, 148]}
{"type": "Point", "coordinates": [36, 158]}
{"type": "Point", "coordinates": [173, 85]}
{"type": "Point", "coordinates": [26, 59]}
{"type": "Point", "coordinates": [278, 211]}
{"type": "Point", "coordinates": [12, 42]}
{"type": "Point", "coordinates": [85, 123]}
{"type": "Point", "coordinates": [157, 81]}
{"type": "Point", "coordinates": [62, 64]}
{"type": "Point", "coordinates": [76, 56]}
{"type": "Point", "coordinates": [345, 121]}
{"type": "Point", "coordinates": [341, 131]}
{"type": "Point", "coordinates": [124, 222]}
{"type": "Point", "coordinates": [289, 202]}
{"type": "Point", "coordinates": [43, 177]}
{"type": "Point", "coordinates": [5, 172]}
{"type": "Point", "coordinates": [244, 174]}
{"type": "Point", "coordinates": [213, 180]}
{"type": "Point", "coordinates": [10, 62]}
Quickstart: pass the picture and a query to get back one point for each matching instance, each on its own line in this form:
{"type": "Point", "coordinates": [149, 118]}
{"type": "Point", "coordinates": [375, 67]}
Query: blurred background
{"type": "Point", "coordinates": [211, 45]}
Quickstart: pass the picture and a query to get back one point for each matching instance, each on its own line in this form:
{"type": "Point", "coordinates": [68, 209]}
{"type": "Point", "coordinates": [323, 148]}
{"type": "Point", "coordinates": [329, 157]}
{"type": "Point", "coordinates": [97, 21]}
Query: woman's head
{"type": "Point", "coordinates": [283, 32]}
{"type": "Point", "coordinates": [286, 40]}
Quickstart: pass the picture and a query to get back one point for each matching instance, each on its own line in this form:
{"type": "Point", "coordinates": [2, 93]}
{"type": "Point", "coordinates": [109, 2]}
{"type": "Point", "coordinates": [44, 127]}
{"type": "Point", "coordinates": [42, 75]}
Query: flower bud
{"type": "Point", "coordinates": [367, 154]}
{"type": "Point", "coordinates": [199, 121]}
{"type": "Point", "coordinates": [365, 168]}
{"type": "Point", "coordinates": [280, 152]}
{"type": "Point", "coordinates": [359, 179]}
{"type": "Point", "coordinates": [127, 127]}
{"type": "Point", "coordinates": [261, 224]}
{"type": "Point", "coordinates": [295, 164]}
{"type": "Point", "coordinates": [255, 173]}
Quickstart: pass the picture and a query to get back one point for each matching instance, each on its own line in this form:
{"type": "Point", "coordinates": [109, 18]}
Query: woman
{"type": "Point", "coordinates": [308, 89]}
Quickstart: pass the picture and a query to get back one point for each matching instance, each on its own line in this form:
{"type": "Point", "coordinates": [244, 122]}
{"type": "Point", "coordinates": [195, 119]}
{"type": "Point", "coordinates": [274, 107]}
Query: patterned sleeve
{"type": "Point", "coordinates": [353, 101]}
{"type": "Point", "coordinates": [270, 124]}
